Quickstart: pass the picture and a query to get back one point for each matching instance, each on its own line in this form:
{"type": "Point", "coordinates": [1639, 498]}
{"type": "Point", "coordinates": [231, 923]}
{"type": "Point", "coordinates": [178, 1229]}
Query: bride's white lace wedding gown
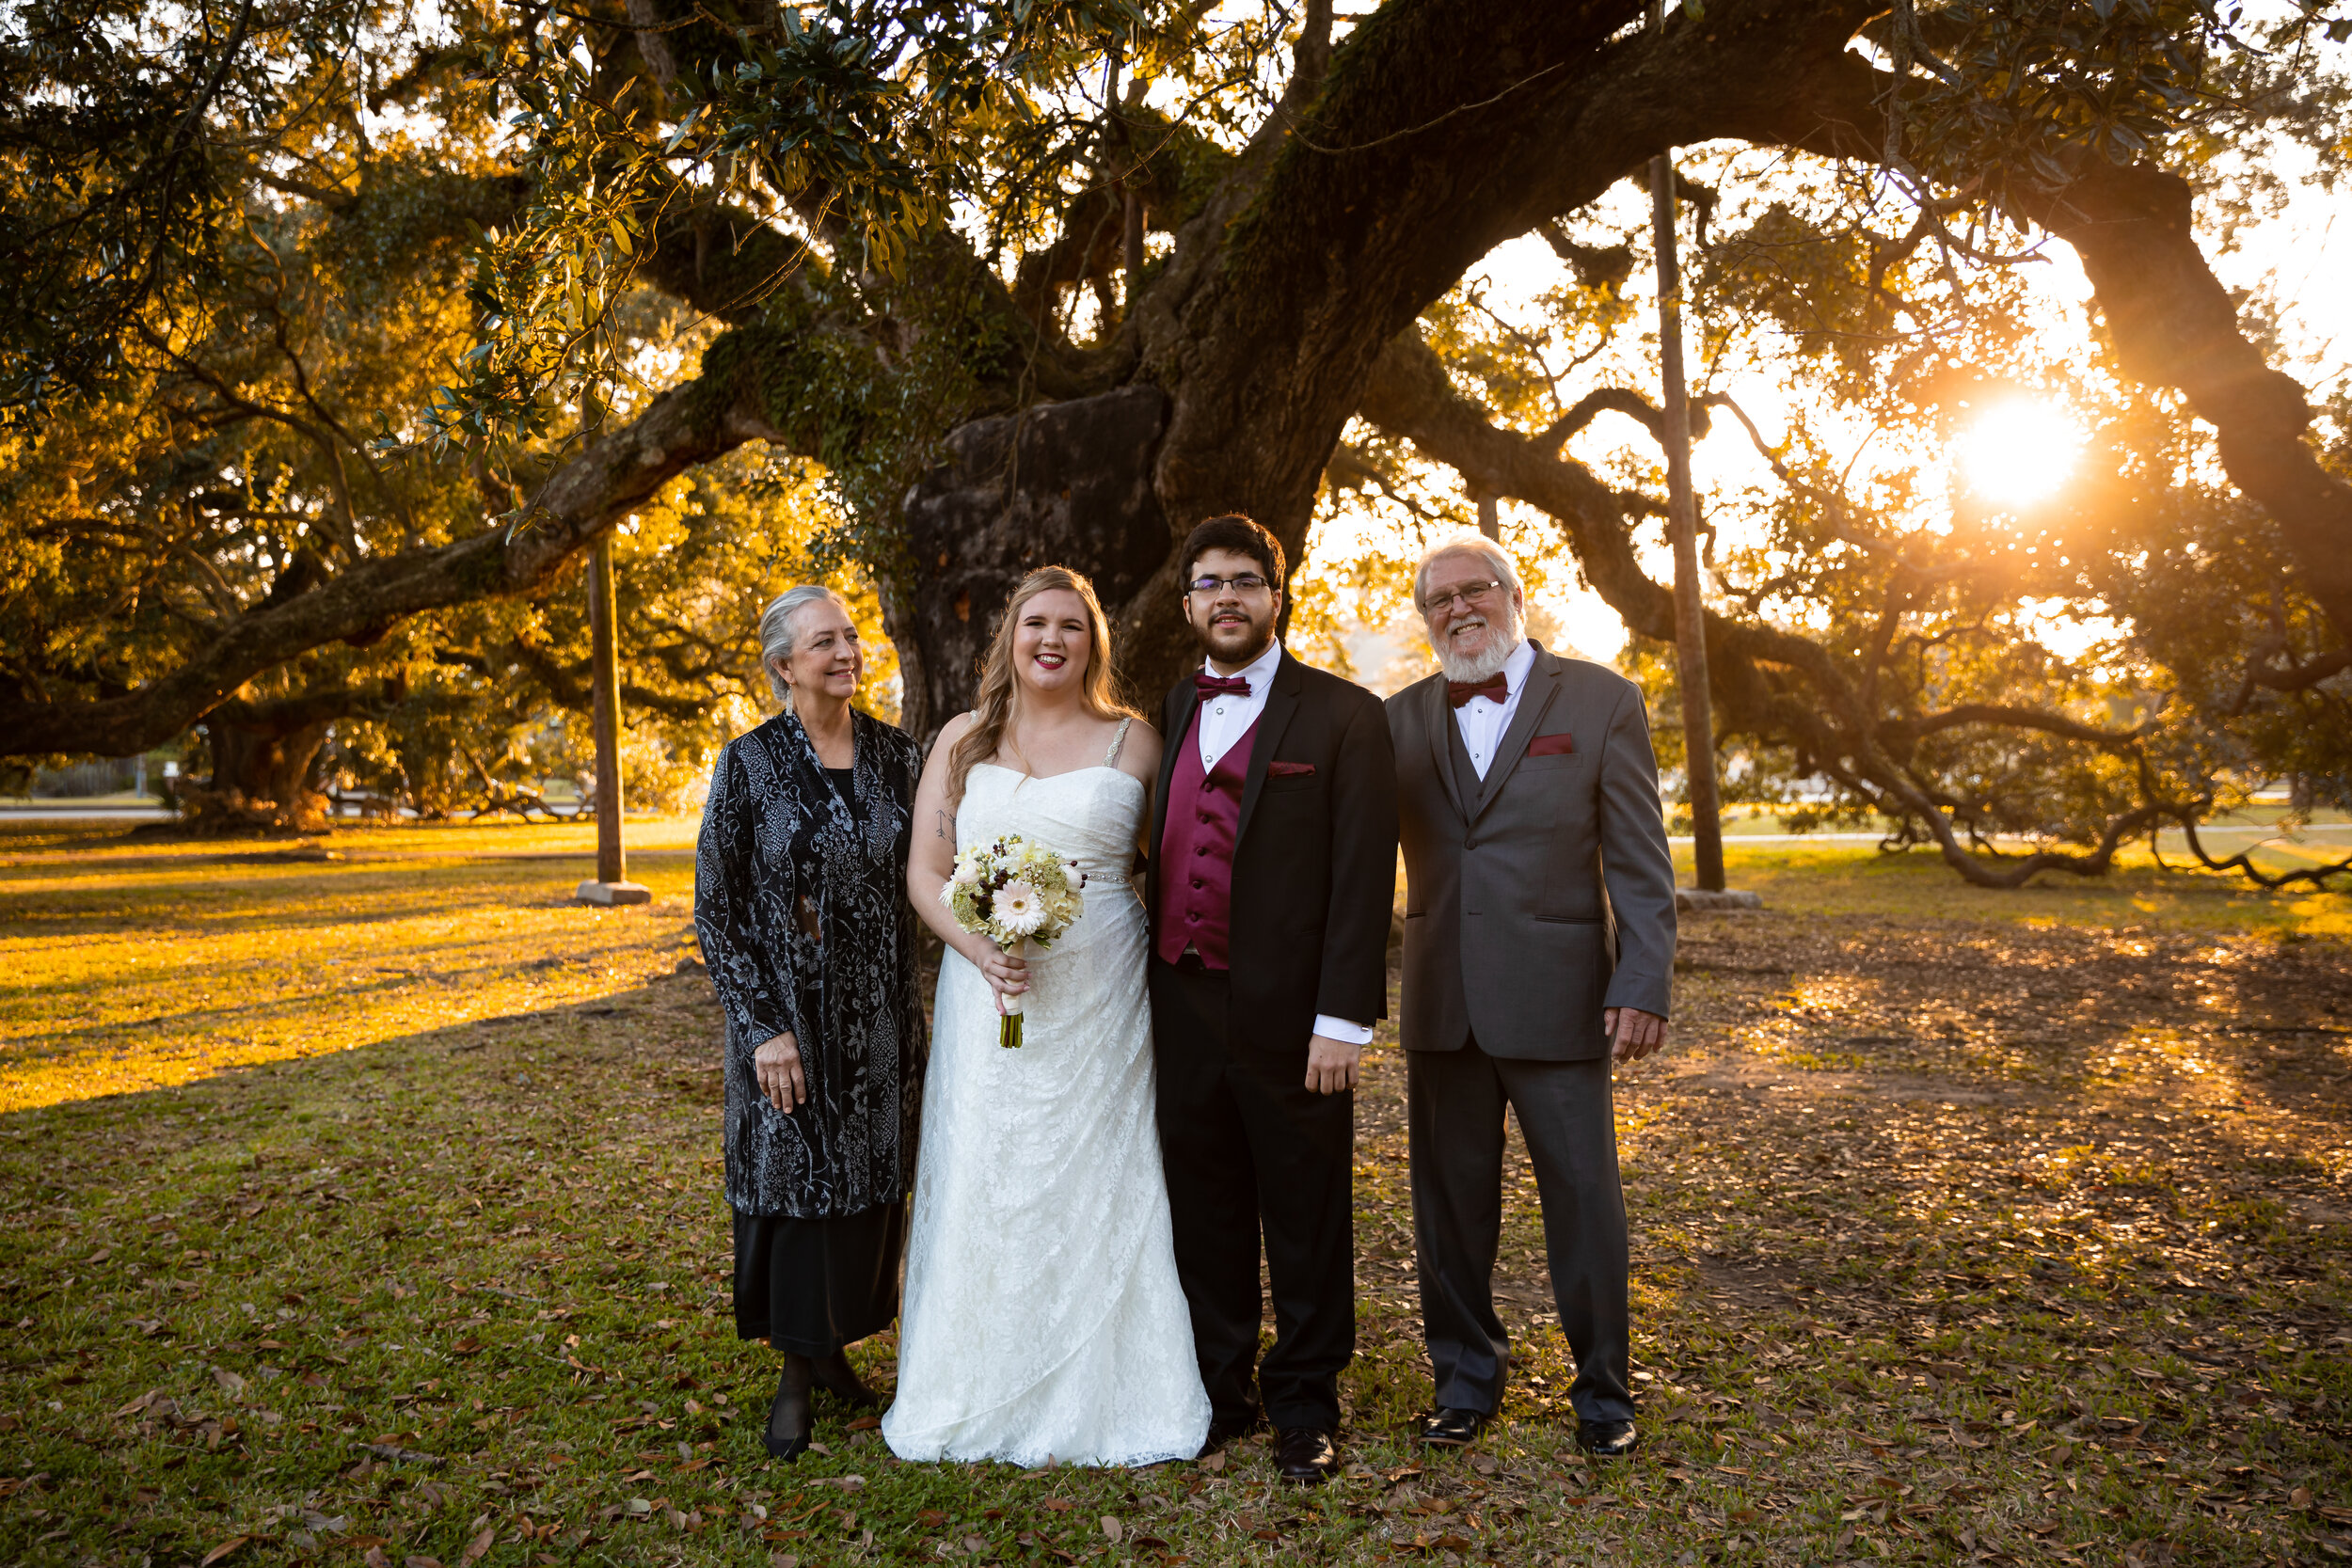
{"type": "Point", "coordinates": [1042, 1317]}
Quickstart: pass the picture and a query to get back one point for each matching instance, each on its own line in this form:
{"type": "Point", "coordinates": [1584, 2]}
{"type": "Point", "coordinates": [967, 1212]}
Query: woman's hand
{"type": "Point", "coordinates": [1007, 975]}
{"type": "Point", "coordinates": [777, 1065]}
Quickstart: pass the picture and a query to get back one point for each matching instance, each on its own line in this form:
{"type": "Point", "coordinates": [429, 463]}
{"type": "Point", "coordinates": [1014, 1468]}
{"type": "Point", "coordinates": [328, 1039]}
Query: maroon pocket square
{"type": "Point", "coordinates": [1551, 746]}
{"type": "Point", "coordinates": [1290, 769]}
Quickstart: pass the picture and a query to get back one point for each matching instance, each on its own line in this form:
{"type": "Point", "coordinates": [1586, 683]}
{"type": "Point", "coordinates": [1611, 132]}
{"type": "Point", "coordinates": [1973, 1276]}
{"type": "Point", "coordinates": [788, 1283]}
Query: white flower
{"type": "Point", "coordinates": [967, 874]}
{"type": "Point", "coordinates": [1020, 909]}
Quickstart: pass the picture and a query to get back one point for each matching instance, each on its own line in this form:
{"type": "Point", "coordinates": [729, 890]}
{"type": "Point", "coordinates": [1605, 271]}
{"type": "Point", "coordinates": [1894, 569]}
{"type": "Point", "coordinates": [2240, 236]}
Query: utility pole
{"type": "Point", "coordinates": [611, 884]}
{"type": "Point", "coordinates": [1698, 724]}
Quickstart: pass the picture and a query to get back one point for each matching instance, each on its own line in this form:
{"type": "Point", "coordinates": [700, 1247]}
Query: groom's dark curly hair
{"type": "Point", "coordinates": [1243, 536]}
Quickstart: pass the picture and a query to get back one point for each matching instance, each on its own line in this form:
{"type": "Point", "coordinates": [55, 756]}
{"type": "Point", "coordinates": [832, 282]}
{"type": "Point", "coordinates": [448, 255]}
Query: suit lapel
{"type": "Point", "coordinates": [1438, 718]}
{"type": "Point", "coordinates": [1273, 719]}
{"type": "Point", "coordinates": [1177, 711]}
{"type": "Point", "coordinates": [1543, 685]}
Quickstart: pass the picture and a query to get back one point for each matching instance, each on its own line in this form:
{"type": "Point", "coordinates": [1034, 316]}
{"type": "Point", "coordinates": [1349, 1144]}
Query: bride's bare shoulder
{"type": "Point", "coordinates": [1140, 751]}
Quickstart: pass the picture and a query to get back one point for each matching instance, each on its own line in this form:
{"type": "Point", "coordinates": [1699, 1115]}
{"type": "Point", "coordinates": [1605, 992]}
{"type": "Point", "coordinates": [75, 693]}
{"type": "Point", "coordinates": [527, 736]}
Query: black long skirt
{"type": "Point", "coordinates": [814, 1285]}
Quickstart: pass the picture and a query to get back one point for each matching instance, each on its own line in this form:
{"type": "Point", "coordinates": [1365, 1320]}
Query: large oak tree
{"type": "Point", "coordinates": [1141, 315]}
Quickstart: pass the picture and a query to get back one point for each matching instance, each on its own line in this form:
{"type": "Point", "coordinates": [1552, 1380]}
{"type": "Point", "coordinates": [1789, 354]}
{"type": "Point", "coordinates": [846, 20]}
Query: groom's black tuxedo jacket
{"type": "Point", "coordinates": [1314, 859]}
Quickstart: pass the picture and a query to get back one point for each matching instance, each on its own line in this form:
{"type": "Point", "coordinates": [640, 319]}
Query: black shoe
{"type": "Point", "coordinates": [1607, 1439]}
{"type": "Point", "coordinates": [789, 1427]}
{"type": "Point", "coordinates": [1305, 1455]}
{"type": "Point", "coordinates": [1451, 1428]}
{"type": "Point", "coordinates": [835, 1373]}
{"type": "Point", "coordinates": [1231, 1429]}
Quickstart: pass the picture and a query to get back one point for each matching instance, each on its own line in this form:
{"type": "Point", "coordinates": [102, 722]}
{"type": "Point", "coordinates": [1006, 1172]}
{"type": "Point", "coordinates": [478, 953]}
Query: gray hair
{"type": "Point", "coordinates": [1467, 544]}
{"type": "Point", "coordinates": [778, 635]}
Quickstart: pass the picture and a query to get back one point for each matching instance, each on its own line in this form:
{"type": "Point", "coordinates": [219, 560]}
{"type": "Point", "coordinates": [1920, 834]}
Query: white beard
{"type": "Point", "coordinates": [1488, 664]}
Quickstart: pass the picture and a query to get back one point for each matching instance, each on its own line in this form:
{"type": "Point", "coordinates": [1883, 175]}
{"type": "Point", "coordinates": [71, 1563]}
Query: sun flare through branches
{"type": "Point", "coordinates": [2016, 453]}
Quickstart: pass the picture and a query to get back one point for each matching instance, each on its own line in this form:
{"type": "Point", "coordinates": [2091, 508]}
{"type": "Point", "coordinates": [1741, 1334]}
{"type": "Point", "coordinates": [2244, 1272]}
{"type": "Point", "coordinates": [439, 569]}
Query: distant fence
{"type": "Point", "coordinates": [104, 776]}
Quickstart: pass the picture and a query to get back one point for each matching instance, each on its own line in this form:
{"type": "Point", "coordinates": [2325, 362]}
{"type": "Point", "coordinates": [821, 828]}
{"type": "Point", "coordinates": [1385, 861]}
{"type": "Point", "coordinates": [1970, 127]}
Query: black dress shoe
{"type": "Point", "coordinates": [1306, 1455]}
{"type": "Point", "coordinates": [1231, 1429]}
{"type": "Point", "coordinates": [790, 1426]}
{"type": "Point", "coordinates": [1607, 1439]}
{"type": "Point", "coordinates": [1451, 1428]}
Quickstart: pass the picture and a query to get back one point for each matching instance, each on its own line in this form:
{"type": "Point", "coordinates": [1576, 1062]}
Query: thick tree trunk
{"type": "Point", "coordinates": [1062, 484]}
{"type": "Point", "coordinates": [261, 780]}
{"type": "Point", "coordinates": [1441, 131]}
{"type": "Point", "coordinates": [263, 754]}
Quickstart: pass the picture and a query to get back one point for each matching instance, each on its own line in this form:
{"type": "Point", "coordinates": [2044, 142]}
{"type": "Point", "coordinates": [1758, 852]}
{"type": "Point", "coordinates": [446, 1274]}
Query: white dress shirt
{"type": "Point", "coordinates": [1224, 719]}
{"type": "Point", "coordinates": [1484, 722]}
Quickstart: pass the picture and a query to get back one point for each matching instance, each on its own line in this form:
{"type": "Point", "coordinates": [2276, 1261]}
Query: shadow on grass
{"type": "Point", "coordinates": [2063, 1281]}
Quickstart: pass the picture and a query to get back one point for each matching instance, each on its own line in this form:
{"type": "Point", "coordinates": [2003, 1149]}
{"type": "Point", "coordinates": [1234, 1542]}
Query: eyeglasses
{"type": "Point", "coordinates": [1471, 595]}
{"type": "Point", "coordinates": [1248, 582]}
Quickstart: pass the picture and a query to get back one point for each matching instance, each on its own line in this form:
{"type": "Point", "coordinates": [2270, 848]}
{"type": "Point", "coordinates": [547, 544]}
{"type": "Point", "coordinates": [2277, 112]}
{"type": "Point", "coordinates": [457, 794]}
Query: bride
{"type": "Point", "coordinates": [1042, 1318]}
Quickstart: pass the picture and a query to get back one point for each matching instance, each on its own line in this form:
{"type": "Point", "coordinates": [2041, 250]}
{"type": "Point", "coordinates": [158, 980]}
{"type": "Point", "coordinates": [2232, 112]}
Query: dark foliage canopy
{"type": "Point", "coordinates": [328, 326]}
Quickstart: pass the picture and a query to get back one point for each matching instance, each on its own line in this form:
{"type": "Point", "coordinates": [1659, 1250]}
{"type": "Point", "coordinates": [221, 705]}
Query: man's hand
{"type": "Point", "coordinates": [1636, 1033]}
{"type": "Point", "coordinates": [777, 1065]}
{"type": "Point", "coordinates": [1331, 1065]}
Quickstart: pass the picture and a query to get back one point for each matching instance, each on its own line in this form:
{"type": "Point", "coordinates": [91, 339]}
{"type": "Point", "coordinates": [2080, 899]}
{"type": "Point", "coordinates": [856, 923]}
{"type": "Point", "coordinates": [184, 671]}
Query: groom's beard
{"type": "Point", "coordinates": [1238, 639]}
{"type": "Point", "coordinates": [1471, 669]}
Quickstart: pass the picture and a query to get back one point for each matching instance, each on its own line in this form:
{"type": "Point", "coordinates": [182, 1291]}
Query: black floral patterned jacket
{"type": "Point", "coordinates": [802, 906]}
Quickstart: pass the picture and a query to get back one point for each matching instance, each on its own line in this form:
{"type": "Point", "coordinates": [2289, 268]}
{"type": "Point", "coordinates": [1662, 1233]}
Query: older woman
{"type": "Point", "coordinates": [799, 897]}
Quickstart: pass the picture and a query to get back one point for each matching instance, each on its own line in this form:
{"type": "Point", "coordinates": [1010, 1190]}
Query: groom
{"type": "Point", "coordinates": [1273, 869]}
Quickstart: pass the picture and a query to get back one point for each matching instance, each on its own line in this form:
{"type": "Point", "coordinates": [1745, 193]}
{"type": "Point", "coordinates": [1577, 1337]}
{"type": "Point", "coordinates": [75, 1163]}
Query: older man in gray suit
{"type": "Point", "coordinates": [1539, 935]}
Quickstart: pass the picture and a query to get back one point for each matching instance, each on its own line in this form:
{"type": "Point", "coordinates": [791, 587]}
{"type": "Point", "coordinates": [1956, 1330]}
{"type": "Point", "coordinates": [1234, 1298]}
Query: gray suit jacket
{"type": "Point", "coordinates": [1548, 894]}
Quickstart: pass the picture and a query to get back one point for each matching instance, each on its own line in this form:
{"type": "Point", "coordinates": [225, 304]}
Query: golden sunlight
{"type": "Point", "coordinates": [2016, 453]}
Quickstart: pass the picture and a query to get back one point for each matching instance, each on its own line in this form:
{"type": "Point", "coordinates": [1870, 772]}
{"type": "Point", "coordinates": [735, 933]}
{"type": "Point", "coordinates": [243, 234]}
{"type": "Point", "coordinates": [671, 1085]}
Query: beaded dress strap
{"type": "Point", "coordinates": [1110, 758]}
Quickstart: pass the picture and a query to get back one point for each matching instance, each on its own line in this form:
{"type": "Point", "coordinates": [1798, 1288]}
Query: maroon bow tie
{"type": "Point", "coordinates": [1219, 686]}
{"type": "Point", "coordinates": [1493, 688]}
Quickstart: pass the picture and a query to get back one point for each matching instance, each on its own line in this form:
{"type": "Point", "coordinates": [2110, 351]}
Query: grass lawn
{"type": "Point", "coordinates": [366, 1210]}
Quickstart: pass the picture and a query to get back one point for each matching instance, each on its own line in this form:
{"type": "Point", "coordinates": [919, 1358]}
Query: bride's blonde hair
{"type": "Point", "coordinates": [992, 707]}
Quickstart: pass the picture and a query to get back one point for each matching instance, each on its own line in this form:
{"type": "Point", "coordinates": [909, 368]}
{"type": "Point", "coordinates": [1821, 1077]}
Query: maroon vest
{"type": "Point", "coordinates": [1197, 849]}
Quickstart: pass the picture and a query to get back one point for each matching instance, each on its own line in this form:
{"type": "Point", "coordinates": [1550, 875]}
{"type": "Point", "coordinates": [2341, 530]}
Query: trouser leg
{"type": "Point", "coordinates": [1302, 1146]}
{"type": "Point", "coordinates": [1454, 1117]}
{"type": "Point", "coordinates": [1212, 1182]}
{"type": "Point", "coordinates": [1567, 1114]}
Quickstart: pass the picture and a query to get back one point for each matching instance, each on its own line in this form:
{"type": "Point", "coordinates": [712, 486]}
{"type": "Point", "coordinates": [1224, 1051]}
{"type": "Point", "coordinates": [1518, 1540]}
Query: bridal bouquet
{"type": "Point", "coordinates": [1014, 891]}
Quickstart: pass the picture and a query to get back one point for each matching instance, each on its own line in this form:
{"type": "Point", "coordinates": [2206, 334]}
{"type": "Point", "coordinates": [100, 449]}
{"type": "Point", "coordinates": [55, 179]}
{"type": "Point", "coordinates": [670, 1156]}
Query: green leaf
{"type": "Point", "coordinates": [679, 136]}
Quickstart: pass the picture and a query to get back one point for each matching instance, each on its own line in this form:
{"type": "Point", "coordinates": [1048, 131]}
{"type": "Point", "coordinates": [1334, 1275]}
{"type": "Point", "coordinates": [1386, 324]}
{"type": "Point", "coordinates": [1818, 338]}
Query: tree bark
{"type": "Point", "coordinates": [1065, 483]}
{"type": "Point", "coordinates": [261, 778]}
